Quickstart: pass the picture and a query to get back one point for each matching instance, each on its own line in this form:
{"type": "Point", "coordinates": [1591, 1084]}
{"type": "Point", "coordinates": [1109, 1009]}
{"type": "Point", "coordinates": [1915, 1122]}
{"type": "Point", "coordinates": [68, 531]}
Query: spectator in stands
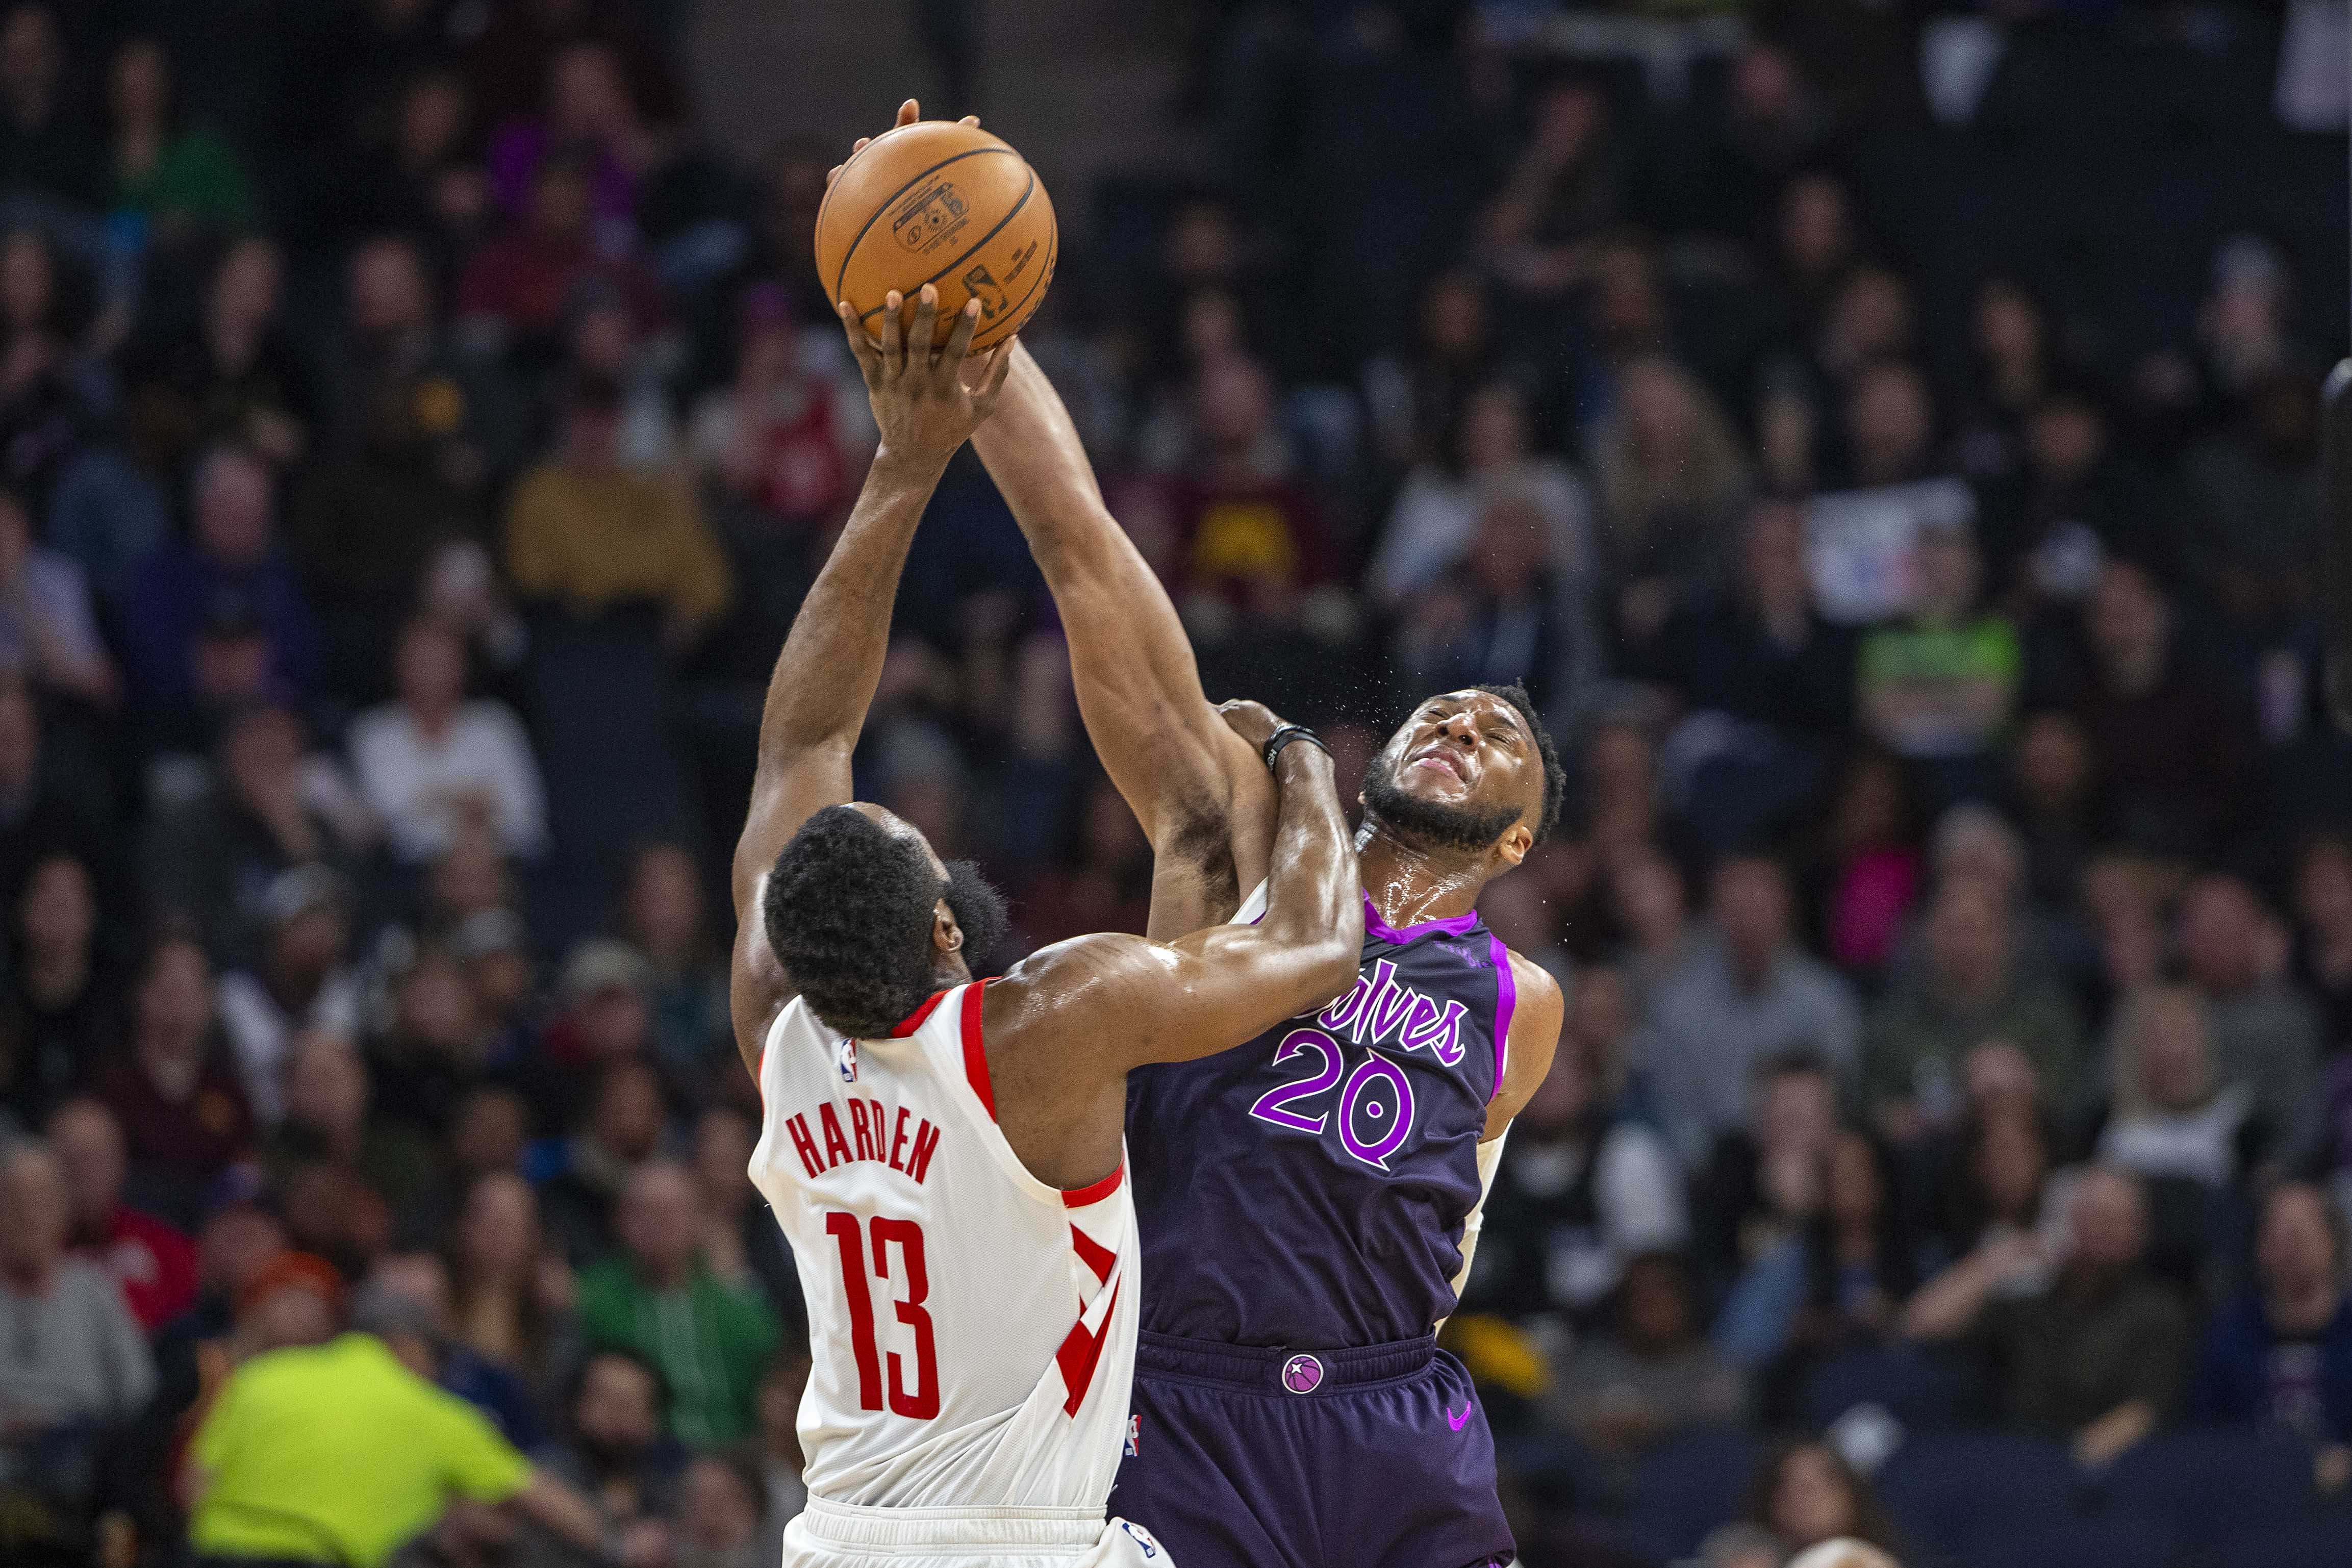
{"type": "Point", "coordinates": [1655, 1374]}
{"type": "Point", "coordinates": [2174, 1116]}
{"type": "Point", "coordinates": [62, 1001]}
{"type": "Point", "coordinates": [2142, 699]}
{"type": "Point", "coordinates": [1868, 870]}
{"type": "Point", "coordinates": [2055, 804]}
{"type": "Point", "coordinates": [603, 1013]}
{"type": "Point", "coordinates": [515, 289]}
{"type": "Point", "coordinates": [434, 1052]}
{"type": "Point", "coordinates": [1761, 1186]}
{"type": "Point", "coordinates": [1942, 685]}
{"type": "Point", "coordinates": [1491, 453]}
{"type": "Point", "coordinates": [589, 536]}
{"type": "Point", "coordinates": [327, 1121]}
{"type": "Point", "coordinates": [623, 1129]}
{"type": "Point", "coordinates": [588, 111]}
{"type": "Point", "coordinates": [511, 1292]}
{"type": "Point", "coordinates": [1890, 426]}
{"type": "Point", "coordinates": [710, 1334]}
{"type": "Point", "coordinates": [2097, 1356]}
{"type": "Point", "coordinates": [662, 916]}
{"type": "Point", "coordinates": [154, 1263]}
{"type": "Point", "coordinates": [787, 435]}
{"type": "Point", "coordinates": [412, 1287]}
{"type": "Point", "coordinates": [231, 566]}
{"type": "Point", "coordinates": [1505, 611]}
{"type": "Point", "coordinates": [45, 148]}
{"type": "Point", "coordinates": [74, 1357]}
{"type": "Point", "coordinates": [1752, 996]}
{"type": "Point", "coordinates": [1670, 478]}
{"type": "Point", "coordinates": [741, 1229]}
{"type": "Point", "coordinates": [184, 1114]}
{"type": "Point", "coordinates": [176, 176]}
{"type": "Point", "coordinates": [1971, 988]}
{"type": "Point", "coordinates": [1996, 1194]}
{"type": "Point", "coordinates": [301, 983]}
{"type": "Point", "coordinates": [2323, 944]}
{"type": "Point", "coordinates": [722, 1503]}
{"type": "Point", "coordinates": [2265, 1034]}
{"type": "Point", "coordinates": [341, 1452]}
{"type": "Point", "coordinates": [2281, 1355]}
{"type": "Point", "coordinates": [431, 759]}
{"type": "Point", "coordinates": [48, 634]}
{"type": "Point", "coordinates": [1583, 1187]}
{"type": "Point", "coordinates": [1805, 1494]}
{"type": "Point", "coordinates": [616, 1449]}
{"type": "Point", "coordinates": [45, 806]}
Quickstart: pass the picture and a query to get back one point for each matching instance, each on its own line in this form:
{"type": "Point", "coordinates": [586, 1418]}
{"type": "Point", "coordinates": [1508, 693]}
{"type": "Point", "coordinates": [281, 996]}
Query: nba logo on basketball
{"type": "Point", "coordinates": [847, 1059]}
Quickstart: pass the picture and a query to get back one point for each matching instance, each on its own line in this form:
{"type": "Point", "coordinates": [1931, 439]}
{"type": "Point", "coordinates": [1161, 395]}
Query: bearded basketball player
{"type": "Point", "coordinates": [946, 1157]}
{"type": "Point", "coordinates": [1308, 1200]}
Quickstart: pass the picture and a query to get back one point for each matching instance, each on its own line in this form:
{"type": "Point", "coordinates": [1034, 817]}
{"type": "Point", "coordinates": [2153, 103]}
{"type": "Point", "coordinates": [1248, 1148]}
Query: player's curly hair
{"type": "Point", "coordinates": [1555, 776]}
{"type": "Point", "coordinates": [848, 910]}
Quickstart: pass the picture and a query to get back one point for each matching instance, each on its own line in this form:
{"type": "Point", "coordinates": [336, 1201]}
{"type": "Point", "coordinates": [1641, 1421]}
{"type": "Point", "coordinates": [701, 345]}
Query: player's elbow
{"type": "Point", "coordinates": [1330, 963]}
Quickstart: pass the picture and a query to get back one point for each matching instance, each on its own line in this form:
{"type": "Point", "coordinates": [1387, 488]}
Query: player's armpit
{"type": "Point", "coordinates": [1534, 1036]}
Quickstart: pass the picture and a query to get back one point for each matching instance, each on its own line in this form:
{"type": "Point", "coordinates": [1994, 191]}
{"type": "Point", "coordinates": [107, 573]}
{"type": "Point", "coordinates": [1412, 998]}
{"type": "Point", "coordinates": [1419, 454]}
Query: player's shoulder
{"type": "Point", "coordinates": [1539, 991]}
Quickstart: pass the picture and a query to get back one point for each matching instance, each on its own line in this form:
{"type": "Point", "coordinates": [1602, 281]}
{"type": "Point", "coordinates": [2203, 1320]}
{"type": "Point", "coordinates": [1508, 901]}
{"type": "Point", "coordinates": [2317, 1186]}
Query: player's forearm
{"type": "Point", "coordinates": [832, 661]}
{"type": "Point", "coordinates": [1031, 449]}
{"type": "Point", "coordinates": [1313, 909]}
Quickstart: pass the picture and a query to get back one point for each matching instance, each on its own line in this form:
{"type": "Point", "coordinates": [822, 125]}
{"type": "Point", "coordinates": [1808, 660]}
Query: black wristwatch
{"type": "Point", "coordinates": [1287, 733]}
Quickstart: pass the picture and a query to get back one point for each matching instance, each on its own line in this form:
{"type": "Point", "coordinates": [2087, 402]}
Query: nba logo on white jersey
{"type": "Point", "coordinates": [847, 1059]}
{"type": "Point", "coordinates": [1134, 1435]}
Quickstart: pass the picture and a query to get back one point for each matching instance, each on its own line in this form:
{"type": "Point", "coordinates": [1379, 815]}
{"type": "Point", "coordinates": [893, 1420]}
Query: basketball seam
{"type": "Point", "coordinates": [1045, 276]}
{"type": "Point", "coordinates": [976, 247]}
{"type": "Point", "coordinates": [884, 206]}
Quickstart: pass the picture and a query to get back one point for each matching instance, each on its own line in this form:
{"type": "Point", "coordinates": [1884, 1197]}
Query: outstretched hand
{"type": "Point", "coordinates": [921, 405]}
{"type": "Point", "coordinates": [908, 112]}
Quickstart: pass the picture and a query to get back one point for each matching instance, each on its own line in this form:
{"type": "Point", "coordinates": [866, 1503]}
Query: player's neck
{"type": "Point", "coordinates": [1408, 884]}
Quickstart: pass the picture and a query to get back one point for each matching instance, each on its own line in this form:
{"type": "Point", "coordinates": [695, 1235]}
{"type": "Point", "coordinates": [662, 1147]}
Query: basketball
{"type": "Point", "coordinates": [944, 204]}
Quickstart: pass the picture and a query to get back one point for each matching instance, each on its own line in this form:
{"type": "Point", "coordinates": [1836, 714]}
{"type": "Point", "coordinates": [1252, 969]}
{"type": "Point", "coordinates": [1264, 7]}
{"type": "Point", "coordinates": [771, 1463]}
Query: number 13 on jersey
{"type": "Point", "coordinates": [921, 1402]}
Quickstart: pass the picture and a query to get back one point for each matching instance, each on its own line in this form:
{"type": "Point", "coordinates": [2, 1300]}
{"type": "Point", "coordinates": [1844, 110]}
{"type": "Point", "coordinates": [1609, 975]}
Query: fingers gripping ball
{"type": "Point", "coordinates": [942, 203]}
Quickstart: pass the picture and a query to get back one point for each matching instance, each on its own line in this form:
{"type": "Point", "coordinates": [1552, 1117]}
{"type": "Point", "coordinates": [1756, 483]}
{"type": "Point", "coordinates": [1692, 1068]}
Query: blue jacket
{"type": "Point", "coordinates": [2233, 1377]}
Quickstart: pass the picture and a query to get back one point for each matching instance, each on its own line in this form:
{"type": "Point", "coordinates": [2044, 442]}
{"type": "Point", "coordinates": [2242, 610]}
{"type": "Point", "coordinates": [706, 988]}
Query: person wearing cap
{"type": "Point", "coordinates": [338, 1453]}
{"type": "Point", "coordinates": [300, 984]}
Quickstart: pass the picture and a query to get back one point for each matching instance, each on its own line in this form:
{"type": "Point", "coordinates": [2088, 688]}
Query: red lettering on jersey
{"type": "Point", "coordinates": [898, 1143]}
{"type": "Point", "coordinates": [927, 1140]}
{"type": "Point", "coordinates": [858, 1132]}
{"type": "Point", "coordinates": [805, 1146]}
{"type": "Point", "coordinates": [876, 1119]}
{"type": "Point", "coordinates": [837, 1147]}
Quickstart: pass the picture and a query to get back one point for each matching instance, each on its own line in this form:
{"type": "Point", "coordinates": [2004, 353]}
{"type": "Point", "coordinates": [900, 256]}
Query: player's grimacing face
{"type": "Point", "coordinates": [1468, 748]}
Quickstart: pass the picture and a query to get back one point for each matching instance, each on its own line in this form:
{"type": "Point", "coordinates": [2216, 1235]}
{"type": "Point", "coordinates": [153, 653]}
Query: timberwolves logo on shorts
{"type": "Point", "coordinates": [1302, 1374]}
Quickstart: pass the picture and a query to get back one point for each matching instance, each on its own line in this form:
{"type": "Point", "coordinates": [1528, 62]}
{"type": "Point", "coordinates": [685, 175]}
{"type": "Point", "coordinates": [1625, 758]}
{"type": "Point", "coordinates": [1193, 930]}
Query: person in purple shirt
{"type": "Point", "coordinates": [230, 571]}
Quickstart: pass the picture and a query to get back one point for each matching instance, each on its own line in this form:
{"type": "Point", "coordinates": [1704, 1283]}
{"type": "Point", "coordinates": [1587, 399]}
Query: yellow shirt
{"type": "Point", "coordinates": [596, 540]}
{"type": "Point", "coordinates": [339, 1453]}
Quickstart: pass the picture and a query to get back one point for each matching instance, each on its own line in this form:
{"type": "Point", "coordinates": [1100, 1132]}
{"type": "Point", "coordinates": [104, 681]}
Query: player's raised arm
{"type": "Point", "coordinates": [1203, 799]}
{"type": "Point", "coordinates": [1219, 986]}
{"type": "Point", "coordinates": [825, 677]}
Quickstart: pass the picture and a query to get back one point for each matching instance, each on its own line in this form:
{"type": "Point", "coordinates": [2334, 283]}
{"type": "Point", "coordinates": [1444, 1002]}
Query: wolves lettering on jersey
{"type": "Point", "coordinates": [1309, 1188]}
{"type": "Point", "coordinates": [972, 1331]}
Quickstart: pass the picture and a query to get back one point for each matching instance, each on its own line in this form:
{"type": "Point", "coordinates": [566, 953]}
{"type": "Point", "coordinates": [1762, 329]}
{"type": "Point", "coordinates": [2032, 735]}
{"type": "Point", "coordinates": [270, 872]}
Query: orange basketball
{"type": "Point", "coordinates": [943, 204]}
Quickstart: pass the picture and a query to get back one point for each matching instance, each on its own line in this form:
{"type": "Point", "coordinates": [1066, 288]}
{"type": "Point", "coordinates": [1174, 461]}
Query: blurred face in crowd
{"type": "Point", "coordinates": [88, 1143]}
{"type": "Point", "coordinates": [592, 437]}
{"type": "Point", "coordinates": [1948, 571]}
{"type": "Point", "coordinates": [59, 912]}
{"type": "Point", "coordinates": [1869, 319]}
{"type": "Point", "coordinates": [29, 58]}
{"type": "Point", "coordinates": [1995, 1074]}
{"type": "Point", "coordinates": [1751, 909]}
{"type": "Point", "coordinates": [1453, 317]}
{"type": "Point", "coordinates": [2171, 1055]}
{"type": "Point", "coordinates": [2011, 1164]}
{"type": "Point", "coordinates": [27, 281]}
{"type": "Point", "coordinates": [1796, 1110]}
{"type": "Point", "coordinates": [1565, 1094]}
{"type": "Point", "coordinates": [246, 288]}
{"type": "Point", "coordinates": [2008, 326]}
{"type": "Point", "coordinates": [1764, 83]}
{"type": "Point", "coordinates": [176, 1003]}
{"type": "Point", "coordinates": [2220, 931]}
{"type": "Point", "coordinates": [1653, 1308]}
{"type": "Point", "coordinates": [2064, 441]}
{"type": "Point", "coordinates": [1649, 895]}
{"type": "Point", "coordinates": [1493, 428]}
{"type": "Point", "coordinates": [326, 1085]}
{"type": "Point", "coordinates": [664, 903]}
{"type": "Point", "coordinates": [291, 1315]}
{"type": "Point", "coordinates": [233, 501]}
{"type": "Point", "coordinates": [1772, 558]}
{"type": "Point", "coordinates": [1661, 409]}
{"type": "Point", "coordinates": [1969, 943]}
{"type": "Point", "coordinates": [1213, 327]}
{"type": "Point", "coordinates": [2129, 623]}
{"type": "Point", "coordinates": [1601, 1012]}
{"type": "Point", "coordinates": [497, 1233]}
{"type": "Point", "coordinates": [489, 1131]}
{"type": "Point", "coordinates": [618, 1413]}
{"type": "Point", "coordinates": [1509, 553]}
{"type": "Point", "coordinates": [306, 949]}
{"type": "Point", "coordinates": [2295, 1252]}
{"type": "Point", "coordinates": [1816, 233]}
{"type": "Point", "coordinates": [1233, 405]}
{"type": "Point", "coordinates": [432, 119]}
{"type": "Point", "coordinates": [1889, 422]}
{"type": "Point", "coordinates": [1973, 845]}
{"type": "Point", "coordinates": [1856, 1193]}
{"type": "Point", "coordinates": [2108, 1220]}
{"type": "Point", "coordinates": [388, 293]}
{"type": "Point", "coordinates": [1870, 807]}
{"type": "Point", "coordinates": [558, 202]}
{"type": "Point", "coordinates": [2053, 764]}
{"type": "Point", "coordinates": [661, 1220]}
{"type": "Point", "coordinates": [718, 1508]}
{"type": "Point", "coordinates": [1812, 1499]}
{"type": "Point", "coordinates": [1202, 244]}
{"type": "Point", "coordinates": [586, 98]}
{"type": "Point", "coordinates": [626, 1117]}
{"type": "Point", "coordinates": [2324, 885]}
{"type": "Point", "coordinates": [723, 1158]}
{"type": "Point", "coordinates": [470, 876]}
{"type": "Point", "coordinates": [430, 670]}
{"type": "Point", "coordinates": [34, 1214]}
{"type": "Point", "coordinates": [139, 89]}
{"type": "Point", "coordinates": [1568, 119]}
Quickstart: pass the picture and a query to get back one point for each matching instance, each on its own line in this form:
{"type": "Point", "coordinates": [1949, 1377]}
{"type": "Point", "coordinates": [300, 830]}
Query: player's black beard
{"type": "Point", "coordinates": [1427, 824]}
{"type": "Point", "coordinates": [978, 911]}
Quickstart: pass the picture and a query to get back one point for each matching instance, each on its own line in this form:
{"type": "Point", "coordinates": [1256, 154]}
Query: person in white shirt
{"type": "Point", "coordinates": [430, 761]}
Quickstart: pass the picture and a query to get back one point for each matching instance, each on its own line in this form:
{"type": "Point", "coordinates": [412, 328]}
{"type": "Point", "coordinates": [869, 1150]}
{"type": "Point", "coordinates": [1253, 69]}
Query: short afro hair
{"type": "Point", "coordinates": [1555, 788]}
{"type": "Point", "coordinates": [848, 910]}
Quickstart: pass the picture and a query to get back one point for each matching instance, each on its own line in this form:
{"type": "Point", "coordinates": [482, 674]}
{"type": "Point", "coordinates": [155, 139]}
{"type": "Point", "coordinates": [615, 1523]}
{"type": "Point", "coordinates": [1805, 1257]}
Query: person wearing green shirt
{"type": "Point", "coordinates": [340, 1453]}
{"type": "Point", "coordinates": [168, 173]}
{"type": "Point", "coordinates": [1943, 682]}
{"type": "Point", "coordinates": [708, 1328]}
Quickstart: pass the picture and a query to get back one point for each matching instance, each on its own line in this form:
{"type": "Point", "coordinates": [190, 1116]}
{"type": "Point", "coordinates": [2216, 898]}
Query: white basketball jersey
{"type": "Point", "coordinates": [972, 1329]}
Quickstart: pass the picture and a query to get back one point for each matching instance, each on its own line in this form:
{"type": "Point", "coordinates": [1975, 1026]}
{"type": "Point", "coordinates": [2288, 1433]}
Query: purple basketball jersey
{"type": "Point", "coordinates": [1309, 1188]}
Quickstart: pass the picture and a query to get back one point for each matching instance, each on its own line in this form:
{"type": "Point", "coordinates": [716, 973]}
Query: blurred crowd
{"type": "Point", "coordinates": [1883, 440]}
